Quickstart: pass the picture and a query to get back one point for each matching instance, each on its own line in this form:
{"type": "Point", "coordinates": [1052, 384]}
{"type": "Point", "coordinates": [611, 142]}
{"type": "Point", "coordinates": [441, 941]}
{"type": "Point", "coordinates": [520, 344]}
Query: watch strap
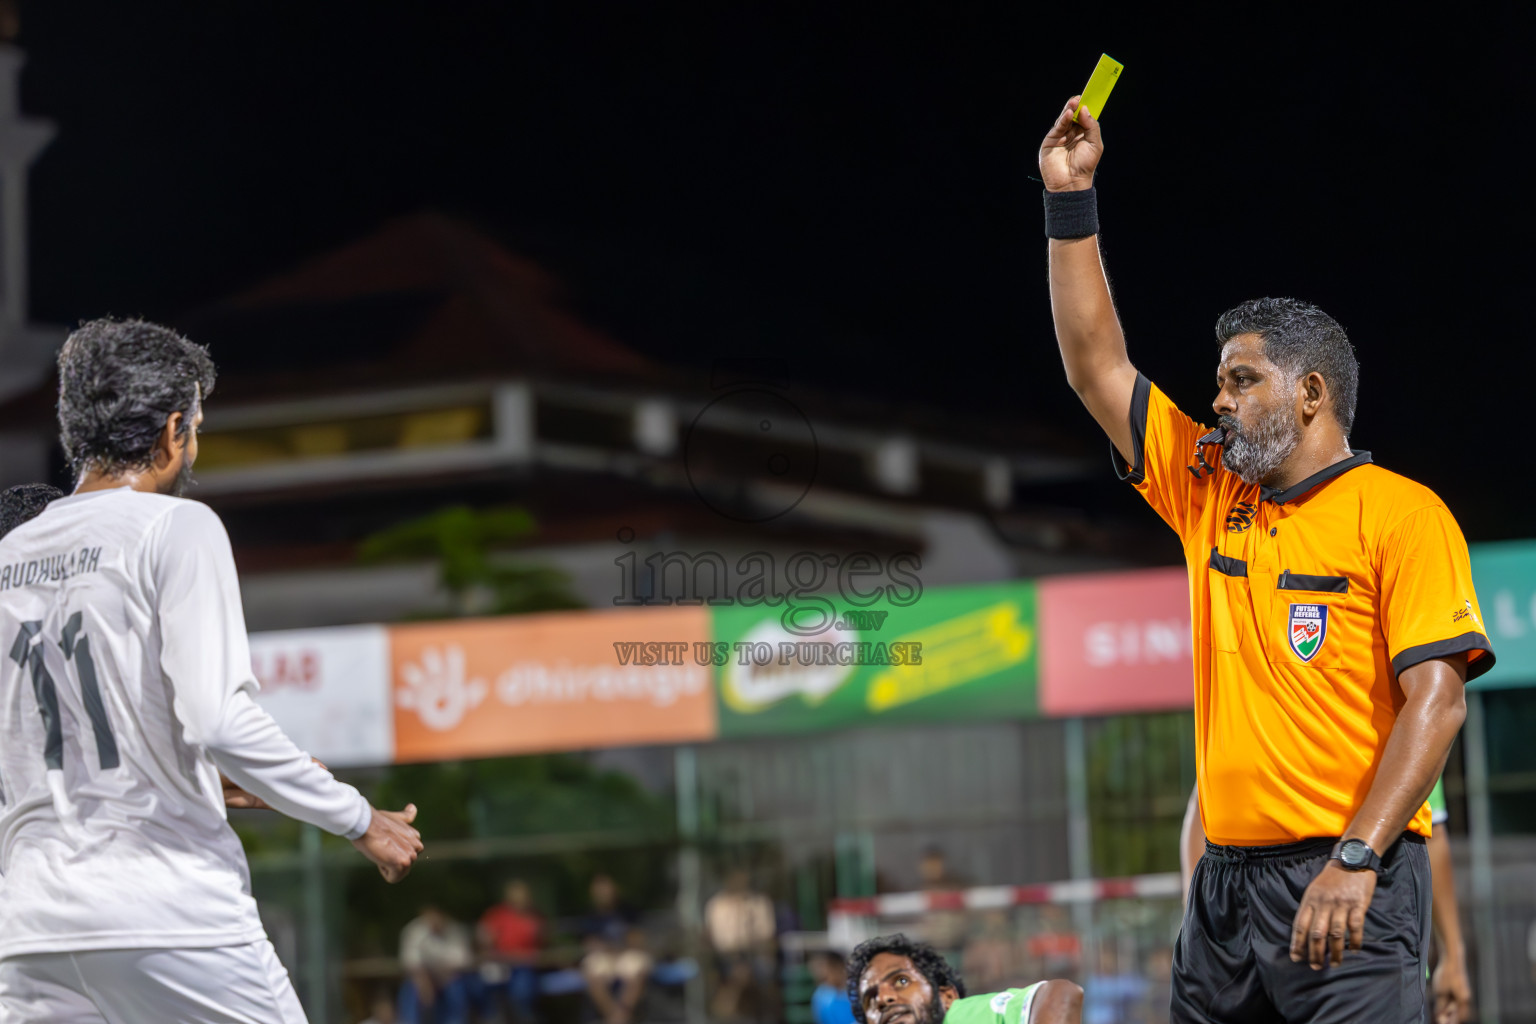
{"type": "Point", "coordinates": [1372, 858]}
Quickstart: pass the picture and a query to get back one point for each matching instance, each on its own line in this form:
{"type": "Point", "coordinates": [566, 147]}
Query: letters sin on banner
{"type": "Point", "coordinates": [329, 690]}
{"type": "Point", "coordinates": [532, 683]}
{"type": "Point", "coordinates": [1115, 642]}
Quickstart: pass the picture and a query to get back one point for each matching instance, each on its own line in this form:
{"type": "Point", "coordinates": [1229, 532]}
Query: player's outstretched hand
{"type": "Point", "coordinates": [1071, 151]}
{"type": "Point", "coordinates": [391, 842]}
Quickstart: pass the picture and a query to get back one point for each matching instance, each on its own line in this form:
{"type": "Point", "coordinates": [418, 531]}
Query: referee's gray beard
{"type": "Point", "coordinates": [1257, 452]}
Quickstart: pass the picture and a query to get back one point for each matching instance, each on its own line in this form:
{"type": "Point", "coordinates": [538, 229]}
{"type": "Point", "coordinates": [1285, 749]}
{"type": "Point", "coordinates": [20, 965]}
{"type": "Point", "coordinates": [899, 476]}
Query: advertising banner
{"type": "Point", "coordinates": [1115, 642]}
{"type": "Point", "coordinates": [329, 690]}
{"type": "Point", "coordinates": [1108, 643]}
{"type": "Point", "coordinates": [823, 663]}
{"type": "Point", "coordinates": [568, 681]}
{"type": "Point", "coordinates": [1505, 577]}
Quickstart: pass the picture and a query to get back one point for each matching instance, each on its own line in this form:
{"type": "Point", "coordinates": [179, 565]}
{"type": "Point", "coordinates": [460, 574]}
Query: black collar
{"type": "Point", "coordinates": [1296, 490]}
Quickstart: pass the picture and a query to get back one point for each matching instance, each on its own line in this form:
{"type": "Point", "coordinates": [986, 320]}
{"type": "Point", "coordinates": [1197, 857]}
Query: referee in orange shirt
{"type": "Point", "coordinates": [1335, 626]}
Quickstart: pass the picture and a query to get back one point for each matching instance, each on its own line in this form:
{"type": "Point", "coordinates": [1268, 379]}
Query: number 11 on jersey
{"type": "Point", "coordinates": [27, 652]}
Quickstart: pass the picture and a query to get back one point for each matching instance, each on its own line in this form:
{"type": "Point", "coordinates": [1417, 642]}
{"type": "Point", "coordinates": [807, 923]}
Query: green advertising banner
{"type": "Point", "coordinates": [1505, 576]}
{"type": "Point", "coordinates": [824, 662]}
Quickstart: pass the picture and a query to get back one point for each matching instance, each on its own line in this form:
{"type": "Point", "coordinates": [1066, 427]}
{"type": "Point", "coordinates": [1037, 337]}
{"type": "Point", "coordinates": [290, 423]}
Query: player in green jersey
{"type": "Point", "coordinates": [894, 980]}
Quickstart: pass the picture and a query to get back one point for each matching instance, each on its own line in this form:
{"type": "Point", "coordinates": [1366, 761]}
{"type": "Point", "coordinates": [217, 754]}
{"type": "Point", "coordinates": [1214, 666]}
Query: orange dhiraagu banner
{"type": "Point", "coordinates": [566, 681]}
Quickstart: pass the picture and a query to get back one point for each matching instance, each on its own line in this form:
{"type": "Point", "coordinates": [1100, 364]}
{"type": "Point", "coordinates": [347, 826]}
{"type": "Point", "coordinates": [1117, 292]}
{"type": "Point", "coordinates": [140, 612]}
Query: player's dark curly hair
{"type": "Point", "coordinates": [118, 381]}
{"type": "Point", "coordinates": [23, 502]}
{"type": "Point", "coordinates": [923, 956]}
{"type": "Point", "coordinates": [1300, 338]}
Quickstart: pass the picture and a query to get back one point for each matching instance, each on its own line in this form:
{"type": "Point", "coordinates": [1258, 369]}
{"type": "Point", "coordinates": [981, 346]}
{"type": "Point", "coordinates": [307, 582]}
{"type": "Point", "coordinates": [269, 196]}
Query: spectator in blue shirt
{"type": "Point", "coordinates": [829, 1003]}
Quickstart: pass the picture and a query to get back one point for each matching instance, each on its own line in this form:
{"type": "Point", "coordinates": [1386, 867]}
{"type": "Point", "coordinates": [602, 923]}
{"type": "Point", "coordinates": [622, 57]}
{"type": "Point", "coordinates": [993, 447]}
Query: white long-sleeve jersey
{"type": "Point", "coordinates": [125, 687]}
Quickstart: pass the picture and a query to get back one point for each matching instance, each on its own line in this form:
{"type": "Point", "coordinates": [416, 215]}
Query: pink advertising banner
{"type": "Point", "coordinates": [1115, 642]}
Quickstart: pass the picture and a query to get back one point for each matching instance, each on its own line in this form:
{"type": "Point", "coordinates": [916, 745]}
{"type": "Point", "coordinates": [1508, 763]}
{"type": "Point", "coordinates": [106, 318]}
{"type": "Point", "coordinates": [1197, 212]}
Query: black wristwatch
{"type": "Point", "coordinates": [1356, 855]}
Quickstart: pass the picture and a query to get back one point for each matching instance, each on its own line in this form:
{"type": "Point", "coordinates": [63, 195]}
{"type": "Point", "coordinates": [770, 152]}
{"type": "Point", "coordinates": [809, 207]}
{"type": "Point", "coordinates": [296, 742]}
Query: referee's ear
{"type": "Point", "coordinates": [948, 994]}
{"type": "Point", "coordinates": [1314, 394]}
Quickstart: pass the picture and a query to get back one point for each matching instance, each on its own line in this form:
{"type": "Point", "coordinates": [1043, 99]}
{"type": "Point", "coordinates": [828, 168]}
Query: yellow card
{"type": "Point", "coordinates": [1098, 88]}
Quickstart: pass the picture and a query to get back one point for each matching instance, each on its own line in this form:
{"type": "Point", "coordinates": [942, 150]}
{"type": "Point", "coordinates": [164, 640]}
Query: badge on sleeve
{"type": "Point", "coordinates": [1309, 627]}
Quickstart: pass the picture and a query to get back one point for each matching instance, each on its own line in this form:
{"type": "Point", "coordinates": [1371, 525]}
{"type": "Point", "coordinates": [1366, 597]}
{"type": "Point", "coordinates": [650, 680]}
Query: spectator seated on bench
{"type": "Point", "coordinates": [616, 975]}
{"type": "Point", "coordinates": [511, 934]}
{"type": "Point", "coordinates": [438, 960]}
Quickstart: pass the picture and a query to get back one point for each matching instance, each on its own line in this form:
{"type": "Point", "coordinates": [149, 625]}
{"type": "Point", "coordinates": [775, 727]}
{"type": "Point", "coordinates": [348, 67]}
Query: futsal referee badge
{"type": "Point", "coordinates": [1309, 627]}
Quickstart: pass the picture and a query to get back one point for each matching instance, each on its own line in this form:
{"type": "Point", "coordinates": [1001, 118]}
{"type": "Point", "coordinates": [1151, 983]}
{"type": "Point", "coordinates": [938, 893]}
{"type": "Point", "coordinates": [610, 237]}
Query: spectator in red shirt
{"type": "Point", "coordinates": [511, 933]}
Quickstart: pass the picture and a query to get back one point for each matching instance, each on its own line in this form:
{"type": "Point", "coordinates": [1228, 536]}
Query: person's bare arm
{"type": "Point", "coordinates": [630, 993]}
{"type": "Point", "coordinates": [485, 943]}
{"type": "Point", "coordinates": [1087, 329]}
{"type": "Point", "coordinates": [1450, 987]}
{"type": "Point", "coordinates": [599, 987]}
{"type": "Point", "coordinates": [1191, 841]}
{"type": "Point", "coordinates": [1057, 1002]}
{"type": "Point", "coordinates": [1331, 917]}
{"type": "Point", "coordinates": [426, 991]}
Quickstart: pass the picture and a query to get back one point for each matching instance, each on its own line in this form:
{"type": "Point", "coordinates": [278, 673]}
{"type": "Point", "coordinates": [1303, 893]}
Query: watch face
{"type": "Point", "coordinates": [1354, 854]}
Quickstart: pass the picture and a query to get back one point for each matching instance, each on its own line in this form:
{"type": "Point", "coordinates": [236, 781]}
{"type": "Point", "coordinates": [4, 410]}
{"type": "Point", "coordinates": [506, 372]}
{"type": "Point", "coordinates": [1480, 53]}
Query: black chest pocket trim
{"type": "Point", "coordinates": [1316, 584]}
{"type": "Point", "coordinates": [1227, 565]}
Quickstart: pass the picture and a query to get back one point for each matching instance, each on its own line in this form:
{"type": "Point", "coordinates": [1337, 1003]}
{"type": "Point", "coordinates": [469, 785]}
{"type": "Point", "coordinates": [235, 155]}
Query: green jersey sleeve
{"type": "Point", "coordinates": [1010, 1006]}
{"type": "Point", "coordinates": [1437, 813]}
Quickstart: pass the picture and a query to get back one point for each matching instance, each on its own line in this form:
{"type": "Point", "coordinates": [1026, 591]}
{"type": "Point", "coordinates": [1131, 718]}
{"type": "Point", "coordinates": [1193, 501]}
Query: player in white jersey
{"type": "Point", "coordinates": [23, 502]}
{"type": "Point", "coordinates": [125, 689]}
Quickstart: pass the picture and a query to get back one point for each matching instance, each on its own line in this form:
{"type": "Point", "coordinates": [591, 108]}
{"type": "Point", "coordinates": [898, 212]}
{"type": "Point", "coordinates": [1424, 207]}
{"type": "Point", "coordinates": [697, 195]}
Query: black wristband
{"type": "Point", "coordinates": [1071, 214]}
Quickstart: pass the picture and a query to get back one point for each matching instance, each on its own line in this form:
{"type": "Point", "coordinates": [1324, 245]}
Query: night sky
{"type": "Point", "coordinates": [847, 189]}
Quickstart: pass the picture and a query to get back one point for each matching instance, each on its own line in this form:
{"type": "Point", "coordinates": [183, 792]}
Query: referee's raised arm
{"type": "Point", "coordinates": [1092, 346]}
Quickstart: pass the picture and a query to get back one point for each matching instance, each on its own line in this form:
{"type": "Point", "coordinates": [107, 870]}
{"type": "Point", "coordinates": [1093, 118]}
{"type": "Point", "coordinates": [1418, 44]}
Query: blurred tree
{"type": "Point", "coordinates": [1140, 771]}
{"type": "Point", "coordinates": [463, 541]}
{"type": "Point", "coordinates": [519, 796]}
{"type": "Point", "coordinates": [264, 832]}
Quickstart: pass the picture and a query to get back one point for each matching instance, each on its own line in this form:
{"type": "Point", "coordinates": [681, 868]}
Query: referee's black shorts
{"type": "Point", "coordinates": [1232, 963]}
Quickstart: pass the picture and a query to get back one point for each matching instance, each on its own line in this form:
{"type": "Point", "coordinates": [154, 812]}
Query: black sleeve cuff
{"type": "Point", "coordinates": [1136, 472]}
{"type": "Point", "coordinates": [1442, 648]}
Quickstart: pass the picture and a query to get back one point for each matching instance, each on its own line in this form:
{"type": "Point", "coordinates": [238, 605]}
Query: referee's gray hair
{"type": "Point", "coordinates": [1300, 338]}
